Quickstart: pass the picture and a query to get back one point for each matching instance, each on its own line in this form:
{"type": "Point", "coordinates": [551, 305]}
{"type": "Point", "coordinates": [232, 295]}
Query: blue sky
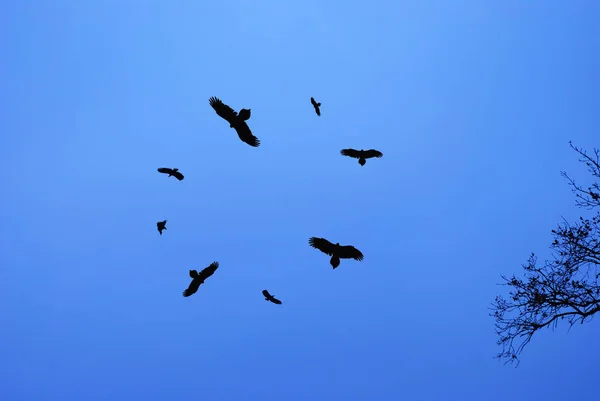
{"type": "Point", "coordinates": [472, 103]}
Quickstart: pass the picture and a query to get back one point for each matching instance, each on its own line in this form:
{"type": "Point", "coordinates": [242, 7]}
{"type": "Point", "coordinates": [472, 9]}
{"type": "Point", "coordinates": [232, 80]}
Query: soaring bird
{"type": "Point", "coordinates": [235, 120]}
{"type": "Point", "coordinates": [271, 298]}
{"type": "Point", "coordinates": [172, 172]}
{"type": "Point", "coordinates": [316, 105]}
{"type": "Point", "coordinates": [198, 278]}
{"type": "Point", "coordinates": [161, 225]}
{"type": "Point", "coordinates": [361, 155]}
{"type": "Point", "coordinates": [336, 251]}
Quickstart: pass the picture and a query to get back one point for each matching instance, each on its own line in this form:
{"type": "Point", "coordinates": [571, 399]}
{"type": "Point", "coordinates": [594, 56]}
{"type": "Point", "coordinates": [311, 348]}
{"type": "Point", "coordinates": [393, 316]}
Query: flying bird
{"type": "Point", "coordinates": [361, 155]}
{"type": "Point", "coordinates": [172, 172]}
{"type": "Point", "coordinates": [271, 298]}
{"type": "Point", "coordinates": [161, 225]}
{"type": "Point", "coordinates": [336, 251]}
{"type": "Point", "coordinates": [198, 278]}
{"type": "Point", "coordinates": [235, 120]}
{"type": "Point", "coordinates": [316, 105]}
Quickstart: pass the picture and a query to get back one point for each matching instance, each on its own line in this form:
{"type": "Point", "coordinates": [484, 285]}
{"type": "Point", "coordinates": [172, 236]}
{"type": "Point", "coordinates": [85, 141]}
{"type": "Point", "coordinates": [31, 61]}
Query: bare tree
{"type": "Point", "coordinates": [565, 287]}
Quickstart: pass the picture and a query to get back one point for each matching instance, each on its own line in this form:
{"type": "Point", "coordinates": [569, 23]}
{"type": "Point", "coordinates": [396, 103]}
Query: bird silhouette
{"type": "Point", "coordinates": [336, 251]}
{"type": "Point", "coordinates": [161, 225]}
{"type": "Point", "coordinates": [235, 120]}
{"type": "Point", "coordinates": [172, 172]}
{"type": "Point", "coordinates": [316, 106]}
{"type": "Point", "coordinates": [361, 155]}
{"type": "Point", "coordinates": [270, 298]}
{"type": "Point", "coordinates": [198, 278]}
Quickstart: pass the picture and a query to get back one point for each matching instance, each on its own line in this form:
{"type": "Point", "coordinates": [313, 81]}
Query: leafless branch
{"type": "Point", "coordinates": [590, 197]}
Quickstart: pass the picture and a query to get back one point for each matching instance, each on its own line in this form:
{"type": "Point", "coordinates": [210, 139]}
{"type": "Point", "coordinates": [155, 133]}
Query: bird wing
{"type": "Point", "coordinates": [224, 111]}
{"type": "Point", "coordinates": [178, 175]}
{"type": "Point", "coordinates": [266, 293]}
{"type": "Point", "coordinates": [372, 153]}
{"type": "Point", "coordinates": [322, 245]}
{"type": "Point", "coordinates": [208, 271]}
{"type": "Point", "coordinates": [193, 287]}
{"type": "Point", "coordinates": [350, 252]}
{"type": "Point", "coordinates": [350, 153]}
{"type": "Point", "coordinates": [312, 100]}
{"type": "Point", "coordinates": [245, 134]}
{"type": "Point", "coordinates": [275, 301]}
{"type": "Point", "coordinates": [165, 170]}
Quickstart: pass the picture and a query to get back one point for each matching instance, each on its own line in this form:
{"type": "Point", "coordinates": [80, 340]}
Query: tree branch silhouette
{"type": "Point", "coordinates": [564, 288]}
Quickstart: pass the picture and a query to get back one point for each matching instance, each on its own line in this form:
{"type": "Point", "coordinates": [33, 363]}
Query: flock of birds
{"type": "Point", "coordinates": [237, 121]}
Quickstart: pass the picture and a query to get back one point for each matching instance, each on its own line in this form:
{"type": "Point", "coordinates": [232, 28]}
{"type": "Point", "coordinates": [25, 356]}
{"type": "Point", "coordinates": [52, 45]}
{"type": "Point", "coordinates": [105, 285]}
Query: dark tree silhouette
{"type": "Point", "coordinates": [271, 298]}
{"type": "Point", "coordinates": [361, 155]}
{"type": "Point", "coordinates": [172, 172]}
{"type": "Point", "coordinates": [564, 288]}
{"type": "Point", "coordinates": [316, 106]}
{"type": "Point", "coordinates": [235, 120]}
{"type": "Point", "coordinates": [198, 278]}
{"type": "Point", "coordinates": [161, 225]}
{"type": "Point", "coordinates": [336, 251]}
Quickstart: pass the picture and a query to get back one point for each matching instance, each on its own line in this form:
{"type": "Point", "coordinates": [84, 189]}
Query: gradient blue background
{"type": "Point", "coordinates": [472, 103]}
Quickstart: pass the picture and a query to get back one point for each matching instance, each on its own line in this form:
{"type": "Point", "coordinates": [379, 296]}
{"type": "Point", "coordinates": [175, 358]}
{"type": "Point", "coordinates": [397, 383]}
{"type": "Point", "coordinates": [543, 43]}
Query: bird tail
{"type": "Point", "coordinates": [193, 273]}
{"type": "Point", "coordinates": [318, 104]}
{"type": "Point", "coordinates": [335, 261]}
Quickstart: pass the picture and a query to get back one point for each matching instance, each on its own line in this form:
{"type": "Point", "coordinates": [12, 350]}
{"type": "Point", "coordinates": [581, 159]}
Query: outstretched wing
{"type": "Point", "coordinates": [266, 293]}
{"type": "Point", "coordinates": [275, 301]}
{"type": "Point", "coordinates": [193, 287]}
{"type": "Point", "coordinates": [350, 153]}
{"type": "Point", "coordinates": [208, 271]}
{"type": "Point", "coordinates": [372, 153]}
{"type": "Point", "coordinates": [178, 175]}
{"type": "Point", "coordinates": [322, 245]}
{"type": "Point", "coordinates": [224, 111]}
{"type": "Point", "coordinates": [312, 100]}
{"type": "Point", "coordinates": [165, 170]}
{"type": "Point", "coordinates": [245, 134]}
{"type": "Point", "coordinates": [350, 252]}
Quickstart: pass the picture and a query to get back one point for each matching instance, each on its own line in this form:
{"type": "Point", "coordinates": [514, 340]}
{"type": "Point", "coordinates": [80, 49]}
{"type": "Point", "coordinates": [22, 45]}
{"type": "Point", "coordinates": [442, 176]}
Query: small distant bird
{"type": "Point", "coordinates": [271, 298]}
{"type": "Point", "coordinates": [198, 278]}
{"type": "Point", "coordinates": [336, 251]}
{"type": "Point", "coordinates": [172, 172]}
{"type": "Point", "coordinates": [594, 196]}
{"type": "Point", "coordinates": [316, 105]}
{"type": "Point", "coordinates": [235, 120]}
{"type": "Point", "coordinates": [361, 155]}
{"type": "Point", "coordinates": [161, 225]}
